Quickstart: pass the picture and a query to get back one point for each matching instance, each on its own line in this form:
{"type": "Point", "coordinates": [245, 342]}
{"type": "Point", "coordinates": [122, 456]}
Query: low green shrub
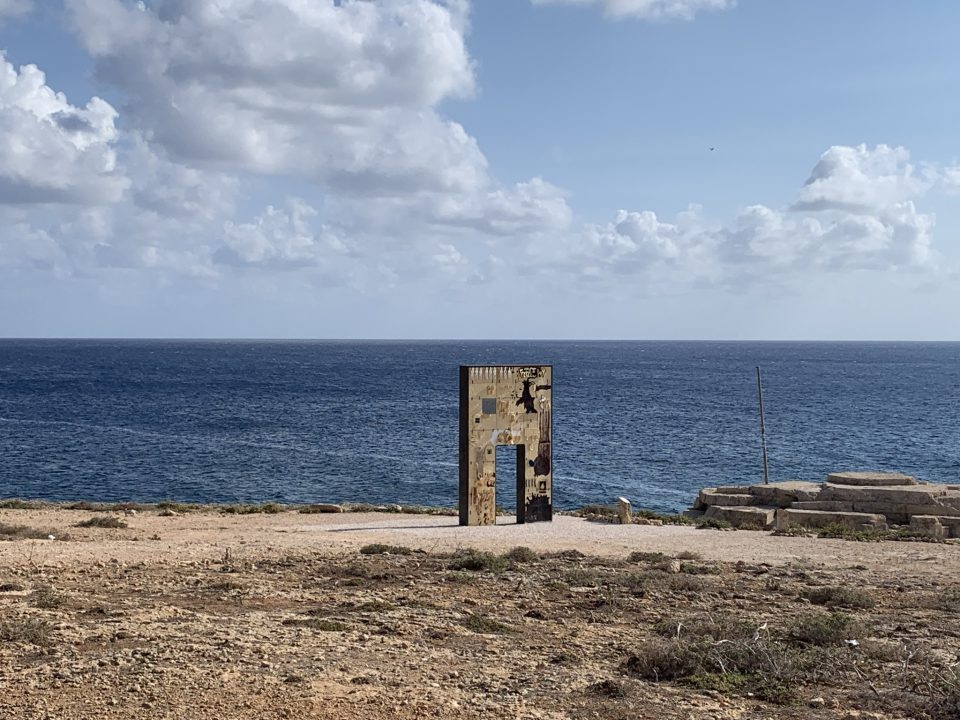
{"type": "Point", "coordinates": [840, 597]}
{"type": "Point", "coordinates": [28, 630]}
{"type": "Point", "coordinates": [845, 532]}
{"type": "Point", "coordinates": [521, 554]}
{"type": "Point", "coordinates": [313, 623]}
{"type": "Point", "coordinates": [476, 561]}
{"type": "Point", "coordinates": [22, 532]}
{"type": "Point", "coordinates": [713, 523]}
{"type": "Point", "coordinates": [483, 625]}
{"type": "Point", "coordinates": [18, 504]}
{"type": "Point", "coordinates": [46, 598]}
{"type": "Point", "coordinates": [103, 521]}
{"type": "Point", "coordinates": [660, 660]}
{"type": "Point", "coordinates": [823, 629]}
{"type": "Point", "coordinates": [382, 549]}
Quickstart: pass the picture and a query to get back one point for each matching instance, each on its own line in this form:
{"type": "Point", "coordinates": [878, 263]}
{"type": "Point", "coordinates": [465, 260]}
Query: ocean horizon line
{"type": "Point", "coordinates": [474, 340]}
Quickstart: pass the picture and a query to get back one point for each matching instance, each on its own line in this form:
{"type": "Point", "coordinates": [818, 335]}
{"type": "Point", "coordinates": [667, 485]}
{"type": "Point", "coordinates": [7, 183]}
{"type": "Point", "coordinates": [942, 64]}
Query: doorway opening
{"type": "Point", "coordinates": [510, 478]}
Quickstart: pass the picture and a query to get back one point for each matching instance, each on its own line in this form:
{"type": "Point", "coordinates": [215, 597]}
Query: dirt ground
{"type": "Point", "coordinates": [287, 615]}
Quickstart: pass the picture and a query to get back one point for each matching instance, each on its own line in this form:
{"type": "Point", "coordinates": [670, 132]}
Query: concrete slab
{"type": "Point", "coordinates": [901, 513]}
{"type": "Point", "coordinates": [928, 525]}
{"type": "Point", "coordinates": [874, 479]}
{"type": "Point", "coordinates": [788, 517]}
{"type": "Point", "coordinates": [951, 525]}
{"type": "Point", "coordinates": [784, 494]}
{"type": "Point", "coordinates": [763, 517]}
{"type": "Point", "coordinates": [824, 505]}
{"type": "Point", "coordinates": [901, 495]}
{"type": "Point", "coordinates": [711, 497]}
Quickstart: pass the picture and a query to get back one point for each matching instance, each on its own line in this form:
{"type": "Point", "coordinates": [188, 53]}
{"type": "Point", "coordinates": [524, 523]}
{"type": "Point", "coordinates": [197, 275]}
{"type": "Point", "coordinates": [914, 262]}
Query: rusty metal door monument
{"type": "Point", "coordinates": [505, 405]}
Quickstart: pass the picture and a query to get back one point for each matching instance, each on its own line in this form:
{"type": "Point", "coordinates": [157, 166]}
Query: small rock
{"type": "Point", "coordinates": [817, 702]}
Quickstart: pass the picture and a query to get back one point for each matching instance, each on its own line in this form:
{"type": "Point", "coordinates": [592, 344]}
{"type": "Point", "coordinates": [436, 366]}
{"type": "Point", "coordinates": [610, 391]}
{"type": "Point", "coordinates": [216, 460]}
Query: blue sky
{"type": "Point", "coordinates": [496, 168]}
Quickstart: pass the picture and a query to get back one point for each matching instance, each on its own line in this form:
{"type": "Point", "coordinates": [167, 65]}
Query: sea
{"type": "Point", "coordinates": [376, 421]}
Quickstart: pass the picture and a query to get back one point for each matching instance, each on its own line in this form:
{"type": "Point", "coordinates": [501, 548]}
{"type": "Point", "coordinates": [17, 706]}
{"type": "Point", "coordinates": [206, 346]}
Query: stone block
{"type": "Point", "coordinates": [950, 499]}
{"type": "Point", "coordinates": [763, 517]}
{"type": "Point", "coordinates": [711, 497]}
{"type": "Point", "coordinates": [784, 494]}
{"type": "Point", "coordinates": [894, 495]}
{"type": "Point", "coordinates": [873, 479]}
{"type": "Point", "coordinates": [733, 489]}
{"type": "Point", "coordinates": [788, 517]}
{"type": "Point", "coordinates": [825, 505]}
{"type": "Point", "coordinates": [928, 525]}
{"type": "Point", "coordinates": [901, 513]}
{"type": "Point", "coordinates": [951, 525]}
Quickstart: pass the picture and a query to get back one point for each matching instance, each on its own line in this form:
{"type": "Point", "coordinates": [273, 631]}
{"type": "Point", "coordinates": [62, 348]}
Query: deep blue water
{"type": "Point", "coordinates": [377, 421]}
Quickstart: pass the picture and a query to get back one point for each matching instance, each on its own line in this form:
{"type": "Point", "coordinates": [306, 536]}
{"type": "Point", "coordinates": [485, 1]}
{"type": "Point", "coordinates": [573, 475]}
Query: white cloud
{"type": "Point", "coordinates": [950, 180]}
{"type": "Point", "coordinates": [171, 191]}
{"type": "Point", "coordinates": [25, 247]}
{"type": "Point", "coordinates": [344, 93]}
{"type": "Point", "coordinates": [341, 94]}
{"type": "Point", "coordinates": [863, 179]}
{"type": "Point", "coordinates": [857, 212]}
{"type": "Point", "coordinates": [292, 239]}
{"type": "Point", "coordinates": [60, 239]}
{"type": "Point", "coordinates": [50, 150]}
{"type": "Point", "coordinates": [163, 222]}
{"type": "Point", "coordinates": [649, 9]}
{"type": "Point", "coordinates": [526, 208]}
{"type": "Point", "coordinates": [14, 8]}
{"type": "Point", "coordinates": [283, 238]}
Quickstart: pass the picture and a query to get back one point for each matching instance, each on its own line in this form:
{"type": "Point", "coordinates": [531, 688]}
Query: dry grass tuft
{"type": "Point", "coordinates": [103, 521]}
{"type": "Point", "coordinates": [29, 631]}
{"type": "Point", "coordinates": [23, 532]}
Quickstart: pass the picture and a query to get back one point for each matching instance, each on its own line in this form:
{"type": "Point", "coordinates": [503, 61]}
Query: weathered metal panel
{"type": "Point", "coordinates": [506, 405]}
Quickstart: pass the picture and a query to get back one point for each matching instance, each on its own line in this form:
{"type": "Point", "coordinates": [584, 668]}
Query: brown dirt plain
{"type": "Point", "coordinates": [210, 615]}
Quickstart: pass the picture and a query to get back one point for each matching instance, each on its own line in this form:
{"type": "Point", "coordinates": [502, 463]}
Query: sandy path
{"type": "Point", "coordinates": [207, 536]}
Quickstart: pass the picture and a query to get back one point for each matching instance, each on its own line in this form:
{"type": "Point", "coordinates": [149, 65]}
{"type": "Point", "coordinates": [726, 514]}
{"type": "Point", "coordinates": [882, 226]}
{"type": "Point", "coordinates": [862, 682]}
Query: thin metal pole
{"type": "Point", "coordinates": [763, 431]}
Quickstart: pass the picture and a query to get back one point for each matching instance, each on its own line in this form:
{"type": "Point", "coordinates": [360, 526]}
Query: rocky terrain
{"type": "Point", "coordinates": [207, 615]}
{"type": "Point", "coordinates": [872, 502]}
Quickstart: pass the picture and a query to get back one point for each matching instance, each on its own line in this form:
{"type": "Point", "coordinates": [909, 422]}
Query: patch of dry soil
{"type": "Point", "coordinates": [205, 615]}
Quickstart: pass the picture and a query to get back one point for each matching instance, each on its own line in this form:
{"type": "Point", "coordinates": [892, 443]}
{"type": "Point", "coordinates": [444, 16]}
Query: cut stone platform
{"type": "Point", "coordinates": [936, 526]}
{"type": "Point", "coordinates": [903, 495]}
{"type": "Point", "coordinates": [870, 478]}
{"type": "Point", "coordinates": [784, 494]}
{"type": "Point", "coordinates": [787, 518]}
{"type": "Point", "coordinates": [762, 517]}
{"type": "Point", "coordinates": [710, 497]}
{"type": "Point", "coordinates": [854, 499]}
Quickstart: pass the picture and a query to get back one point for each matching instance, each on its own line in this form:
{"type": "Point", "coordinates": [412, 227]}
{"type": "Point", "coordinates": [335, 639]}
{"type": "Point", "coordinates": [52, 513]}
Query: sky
{"type": "Point", "coordinates": [516, 169]}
